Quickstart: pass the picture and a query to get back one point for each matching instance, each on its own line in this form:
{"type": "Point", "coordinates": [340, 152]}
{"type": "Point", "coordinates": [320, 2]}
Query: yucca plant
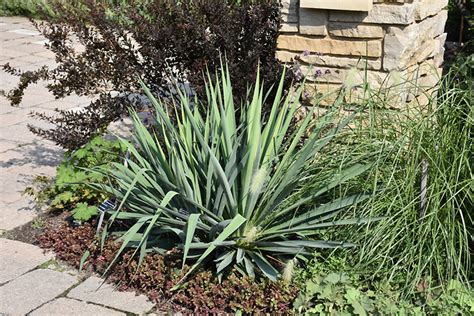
{"type": "Point", "coordinates": [225, 186]}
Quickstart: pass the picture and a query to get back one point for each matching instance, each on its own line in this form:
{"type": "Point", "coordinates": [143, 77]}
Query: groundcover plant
{"type": "Point", "coordinates": [224, 188]}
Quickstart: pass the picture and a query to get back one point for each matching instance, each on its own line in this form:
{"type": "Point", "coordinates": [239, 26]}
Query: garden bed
{"type": "Point", "coordinates": [222, 201]}
{"type": "Point", "coordinates": [158, 274]}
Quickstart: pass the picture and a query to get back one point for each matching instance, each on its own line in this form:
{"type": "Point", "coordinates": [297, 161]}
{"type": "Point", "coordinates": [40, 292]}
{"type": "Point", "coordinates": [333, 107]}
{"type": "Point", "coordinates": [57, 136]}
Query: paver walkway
{"type": "Point", "coordinates": [29, 284]}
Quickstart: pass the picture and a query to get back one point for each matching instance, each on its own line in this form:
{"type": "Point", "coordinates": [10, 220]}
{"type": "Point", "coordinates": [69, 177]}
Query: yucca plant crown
{"type": "Point", "coordinates": [225, 188]}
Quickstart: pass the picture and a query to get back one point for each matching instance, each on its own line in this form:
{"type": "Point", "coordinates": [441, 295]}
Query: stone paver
{"type": "Point", "coordinates": [92, 290]}
{"type": "Point", "coordinates": [23, 155]}
{"type": "Point", "coordinates": [16, 213]}
{"type": "Point", "coordinates": [32, 290]}
{"type": "Point", "coordinates": [66, 306]}
{"type": "Point", "coordinates": [18, 258]}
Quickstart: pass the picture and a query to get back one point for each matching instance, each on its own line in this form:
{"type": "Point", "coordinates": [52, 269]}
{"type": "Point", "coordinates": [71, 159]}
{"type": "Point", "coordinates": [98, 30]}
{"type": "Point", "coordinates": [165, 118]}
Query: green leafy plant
{"type": "Point", "coordinates": [455, 299]}
{"type": "Point", "coordinates": [30, 8]}
{"type": "Point", "coordinates": [67, 190]}
{"type": "Point", "coordinates": [83, 212]}
{"type": "Point", "coordinates": [226, 187]}
{"type": "Point", "coordinates": [332, 287]}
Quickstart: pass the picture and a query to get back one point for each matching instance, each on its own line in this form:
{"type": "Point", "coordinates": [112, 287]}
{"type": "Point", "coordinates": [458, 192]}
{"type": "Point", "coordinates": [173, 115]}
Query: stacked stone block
{"type": "Point", "coordinates": [401, 38]}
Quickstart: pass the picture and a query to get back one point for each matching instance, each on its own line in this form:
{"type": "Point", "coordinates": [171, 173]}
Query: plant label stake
{"type": "Point", "coordinates": [104, 207]}
{"type": "Point", "coordinates": [108, 204]}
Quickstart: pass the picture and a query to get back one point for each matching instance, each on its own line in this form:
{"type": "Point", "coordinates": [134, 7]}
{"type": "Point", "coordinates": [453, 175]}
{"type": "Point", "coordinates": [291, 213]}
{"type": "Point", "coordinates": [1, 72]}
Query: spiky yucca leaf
{"type": "Point", "coordinates": [219, 186]}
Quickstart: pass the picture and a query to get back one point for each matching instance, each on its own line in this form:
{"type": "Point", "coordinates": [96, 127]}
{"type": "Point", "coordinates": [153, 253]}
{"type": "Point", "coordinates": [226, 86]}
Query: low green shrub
{"type": "Point", "coordinates": [67, 190]}
{"type": "Point", "coordinates": [225, 188]}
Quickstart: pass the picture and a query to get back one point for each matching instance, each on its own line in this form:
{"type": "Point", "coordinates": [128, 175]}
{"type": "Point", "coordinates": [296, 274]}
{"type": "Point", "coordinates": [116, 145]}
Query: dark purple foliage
{"type": "Point", "coordinates": [149, 40]}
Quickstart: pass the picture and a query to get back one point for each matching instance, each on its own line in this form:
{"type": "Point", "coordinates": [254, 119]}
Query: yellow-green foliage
{"type": "Point", "coordinates": [68, 191]}
{"type": "Point", "coordinates": [30, 8]}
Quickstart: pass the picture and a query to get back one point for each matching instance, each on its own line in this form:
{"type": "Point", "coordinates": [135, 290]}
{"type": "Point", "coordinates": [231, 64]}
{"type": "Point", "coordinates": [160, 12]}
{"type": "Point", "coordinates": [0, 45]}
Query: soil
{"type": "Point", "coordinates": [29, 232]}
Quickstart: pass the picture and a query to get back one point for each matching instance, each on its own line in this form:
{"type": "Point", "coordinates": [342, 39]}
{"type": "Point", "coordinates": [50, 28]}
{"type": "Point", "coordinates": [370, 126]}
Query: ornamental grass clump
{"type": "Point", "coordinates": [224, 187]}
{"type": "Point", "coordinates": [426, 188]}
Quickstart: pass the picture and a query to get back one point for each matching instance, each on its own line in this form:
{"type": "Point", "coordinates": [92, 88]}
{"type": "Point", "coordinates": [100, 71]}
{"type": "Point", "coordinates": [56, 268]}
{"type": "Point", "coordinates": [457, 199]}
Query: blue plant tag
{"type": "Point", "coordinates": [104, 207]}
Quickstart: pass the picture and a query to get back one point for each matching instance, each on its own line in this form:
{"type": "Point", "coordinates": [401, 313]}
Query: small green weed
{"type": "Point", "coordinates": [37, 223]}
{"type": "Point", "coordinates": [39, 190]}
{"type": "Point", "coordinates": [52, 264]}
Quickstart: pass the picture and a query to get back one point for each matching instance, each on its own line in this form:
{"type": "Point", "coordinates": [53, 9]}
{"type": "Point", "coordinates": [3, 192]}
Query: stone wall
{"type": "Point", "coordinates": [398, 38]}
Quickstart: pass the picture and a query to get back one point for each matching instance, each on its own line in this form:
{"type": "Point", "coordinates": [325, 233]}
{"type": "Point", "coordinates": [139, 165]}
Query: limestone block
{"type": "Point", "coordinates": [426, 90]}
{"type": "Point", "coordinates": [323, 74]}
{"type": "Point", "coordinates": [380, 14]}
{"type": "Point", "coordinates": [440, 41]}
{"type": "Point", "coordinates": [431, 80]}
{"type": "Point", "coordinates": [424, 78]}
{"type": "Point", "coordinates": [93, 290]}
{"type": "Point", "coordinates": [289, 28]}
{"type": "Point", "coordinates": [404, 46]}
{"type": "Point", "coordinates": [289, 11]}
{"type": "Point", "coordinates": [286, 56]}
{"type": "Point", "coordinates": [18, 258]}
{"type": "Point", "coordinates": [331, 61]}
{"type": "Point", "coordinates": [313, 22]}
{"type": "Point", "coordinates": [439, 50]}
{"type": "Point", "coordinates": [439, 28]}
{"type": "Point", "coordinates": [323, 89]}
{"type": "Point", "coordinates": [347, 5]}
{"type": "Point", "coordinates": [423, 52]}
{"type": "Point", "coordinates": [384, 79]}
{"type": "Point", "coordinates": [358, 30]}
{"type": "Point", "coordinates": [394, 1]}
{"type": "Point", "coordinates": [369, 48]}
{"type": "Point", "coordinates": [289, 6]}
{"type": "Point", "coordinates": [390, 88]}
{"type": "Point", "coordinates": [322, 94]}
{"type": "Point", "coordinates": [439, 58]}
{"type": "Point", "coordinates": [422, 101]}
{"type": "Point", "coordinates": [66, 306]}
{"type": "Point", "coordinates": [353, 77]}
{"type": "Point", "coordinates": [428, 8]}
{"type": "Point", "coordinates": [32, 290]}
{"type": "Point", "coordinates": [289, 18]}
{"type": "Point", "coordinates": [426, 68]}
